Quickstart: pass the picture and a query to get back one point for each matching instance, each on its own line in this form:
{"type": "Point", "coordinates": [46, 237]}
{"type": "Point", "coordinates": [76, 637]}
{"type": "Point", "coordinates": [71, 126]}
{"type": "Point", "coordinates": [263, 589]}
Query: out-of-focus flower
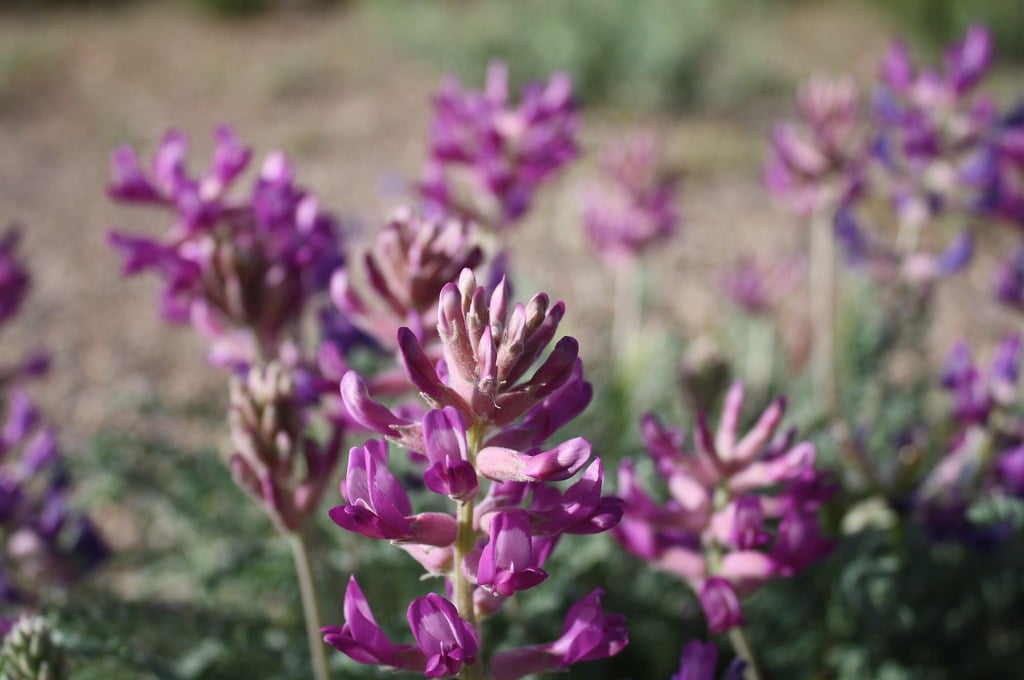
{"type": "Point", "coordinates": [741, 509]}
{"type": "Point", "coordinates": [916, 268]}
{"type": "Point", "coordinates": [240, 269]}
{"type": "Point", "coordinates": [488, 156]}
{"type": "Point", "coordinates": [410, 261]}
{"type": "Point", "coordinates": [699, 661]}
{"type": "Point", "coordinates": [929, 125]}
{"type": "Point", "coordinates": [819, 157]}
{"type": "Point", "coordinates": [977, 393]}
{"type": "Point", "coordinates": [634, 208]}
{"type": "Point", "coordinates": [757, 288]}
{"type": "Point", "coordinates": [29, 650]}
{"type": "Point", "coordinates": [274, 459]}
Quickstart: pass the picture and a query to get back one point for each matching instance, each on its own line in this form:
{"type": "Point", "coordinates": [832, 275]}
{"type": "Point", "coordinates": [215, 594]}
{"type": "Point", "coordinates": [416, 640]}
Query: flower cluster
{"type": "Point", "coordinates": [269, 433]}
{"type": "Point", "coordinates": [742, 510]}
{"type": "Point", "coordinates": [985, 455]}
{"type": "Point", "coordinates": [817, 160]}
{"type": "Point", "coordinates": [411, 259]}
{"type": "Point", "coordinates": [241, 270]}
{"type": "Point", "coordinates": [487, 425]}
{"type": "Point", "coordinates": [757, 287]}
{"type": "Point", "coordinates": [488, 156]}
{"type": "Point", "coordinates": [929, 125]}
{"type": "Point", "coordinates": [929, 132]}
{"type": "Point", "coordinates": [635, 206]}
{"type": "Point", "coordinates": [44, 541]}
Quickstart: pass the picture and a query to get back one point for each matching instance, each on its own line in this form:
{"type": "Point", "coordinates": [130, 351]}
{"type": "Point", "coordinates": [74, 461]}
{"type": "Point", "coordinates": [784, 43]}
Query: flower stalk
{"type": "Point", "coordinates": [310, 606]}
{"type": "Point", "coordinates": [741, 644]}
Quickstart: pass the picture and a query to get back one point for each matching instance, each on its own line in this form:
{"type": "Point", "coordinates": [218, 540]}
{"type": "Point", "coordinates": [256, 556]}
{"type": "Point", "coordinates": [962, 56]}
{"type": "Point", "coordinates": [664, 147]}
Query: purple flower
{"type": "Point", "coordinates": [757, 288]}
{"type": "Point", "coordinates": [740, 509]}
{"type": "Point", "coordinates": [378, 506]}
{"type": "Point", "coordinates": [241, 270]}
{"type": "Point", "coordinates": [362, 639]}
{"type": "Point", "coordinates": [487, 156]}
{"type": "Point", "coordinates": [449, 471]}
{"type": "Point", "coordinates": [975, 393]}
{"type": "Point", "coordinates": [587, 634]}
{"type": "Point", "coordinates": [445, 639]}
{"type": "Point", "coordinates": [818, 158]}
{"type": "Point", "coordinates": [410, 261]}
{"type": "Point", "coordinates": [721, 605]}
{"type": "Point", "coordinates": [635, 208]}
{"type": "Point", "coordinates": [505, 562]}
{"type": "Point", "coordinates": [560, 463]}
{"type": "Point", "coordinates": [699, 661]}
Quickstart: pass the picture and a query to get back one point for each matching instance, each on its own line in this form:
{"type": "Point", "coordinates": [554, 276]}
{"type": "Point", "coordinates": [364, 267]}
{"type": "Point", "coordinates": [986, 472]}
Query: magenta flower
{"type": "Point", "coordinates": [741, 509]}
{"type": "Point", "coordinates": [378, 506]}
{"type": "Point", "coordinates": [635, 207]}
{"type": "Point", "coordinates": [587, 634]}
{"type": "Point", "coordinates": [410, 261]}
{"type": "Point", "coordinates": [504, 565]}
{"type": "Point", "coordinates": [818, 159]}
{"type": "Point", "coordinates": [699, 661]}
{"type": "Point", "coordinates": [757, 287]}
{"type": "Point", "coordinates": [447, 641]}
{"type": "Point", "coordinates": [444, 439]}
{"type": "Point", "coordinates": [240, 269]}
{"type": "Point", "coordinates": [721, 605]}
{"type": "Point", "coordinates": [487, 156]}
{"type": "Point", "coordinates": [362, 639]}
{"type": "Point", "coordinates": [493, 402]}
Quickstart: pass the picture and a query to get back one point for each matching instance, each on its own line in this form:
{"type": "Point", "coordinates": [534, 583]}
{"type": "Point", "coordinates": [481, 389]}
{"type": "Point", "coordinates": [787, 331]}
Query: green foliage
{"type": "Point", "coordinates": [647, 53]}
{"type": "Point", "coordinates": [937, 22]}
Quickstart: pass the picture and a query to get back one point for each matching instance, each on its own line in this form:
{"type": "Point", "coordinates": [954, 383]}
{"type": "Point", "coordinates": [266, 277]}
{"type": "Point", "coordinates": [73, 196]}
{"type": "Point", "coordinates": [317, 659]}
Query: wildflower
{"type": "Point", "coordinates": [818, 159]}
{"type": "Point", "coordinates": [241, 270]}
{"type": "Point", "coordinates": [699, 661]}
{"type": "Point", "coordinates": [756, 287]}
{"type": "Point", "coordinates": [487, 156]}
{"type": "Point", "coordinates": [410, 261]}
{"type": "Point", "coordinates": [635, 206]}
{"type": "Point", "coordinates": [482, 441]}
{"type": "Point", "coordinates": [740, 510]}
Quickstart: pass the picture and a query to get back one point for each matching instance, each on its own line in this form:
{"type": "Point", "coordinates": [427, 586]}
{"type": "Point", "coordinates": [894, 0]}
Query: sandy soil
{"type": "Point", "coordinates": [352, 110]}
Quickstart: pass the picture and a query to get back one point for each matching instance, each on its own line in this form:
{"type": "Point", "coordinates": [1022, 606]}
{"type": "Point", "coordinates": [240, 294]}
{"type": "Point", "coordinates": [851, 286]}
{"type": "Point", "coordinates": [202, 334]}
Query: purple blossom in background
{"type": "Point", "coordinates": [241, 269]}
{"type": "Point", "coordinates": [818, 158]}
{"type": "Point", "coordinates": [489, 156]}
{"type": "Point", "coordinates": [929, 125]}
{"type": "Point", "coordinates": [634, 208]}
{"type": "Point", "coordinates": [997, 170]}
{"type": "Point", "coordinates": [46, 542]}
{"type": "Point", "coordinates": [274, 459]}
{"type": "Point", "coordinates": [983, 457]}
{"type": "Point", "coordinates": [493, 403]}
{"type": "Point", "coordinates": [741, 509]}
{"type": "Point", "coordinates": [757, 287]}
{"type": "Point", "coordinates": [699, 661]}
{"type": "Point", "coordinates": [411, 259]}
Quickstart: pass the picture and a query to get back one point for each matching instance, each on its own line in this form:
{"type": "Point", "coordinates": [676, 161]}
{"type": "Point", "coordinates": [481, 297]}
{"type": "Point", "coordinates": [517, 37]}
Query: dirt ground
{"type": "Point", "coordinates": [352, 109]}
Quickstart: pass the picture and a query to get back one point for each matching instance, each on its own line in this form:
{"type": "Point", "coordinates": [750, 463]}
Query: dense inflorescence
{"type": "Point", "coordinates": [489, 156]}
{"type": "Point", "coordinates": [483, 446]}
{"type": "Point", "coordinates": [742, 510]}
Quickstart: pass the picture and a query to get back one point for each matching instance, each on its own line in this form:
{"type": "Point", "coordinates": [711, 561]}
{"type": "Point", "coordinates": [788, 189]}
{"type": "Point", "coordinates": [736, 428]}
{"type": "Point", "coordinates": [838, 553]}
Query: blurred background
{"type": "Point", "coordinates": [344, 88]}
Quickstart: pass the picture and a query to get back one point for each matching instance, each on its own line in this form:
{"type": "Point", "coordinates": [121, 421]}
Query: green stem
{"type": "Point", "coordinates": [742, 646]}
{"type": "Point", "coordinates": [310, 608]}
{"type": "Point", "coordinates": [823, 294]}
{"type": "Point", "coordinates": [465, 539]}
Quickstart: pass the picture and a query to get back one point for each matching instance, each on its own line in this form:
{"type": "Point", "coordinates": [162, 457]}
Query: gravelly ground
{"type": "Point", "coordinates": [352, 110]}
